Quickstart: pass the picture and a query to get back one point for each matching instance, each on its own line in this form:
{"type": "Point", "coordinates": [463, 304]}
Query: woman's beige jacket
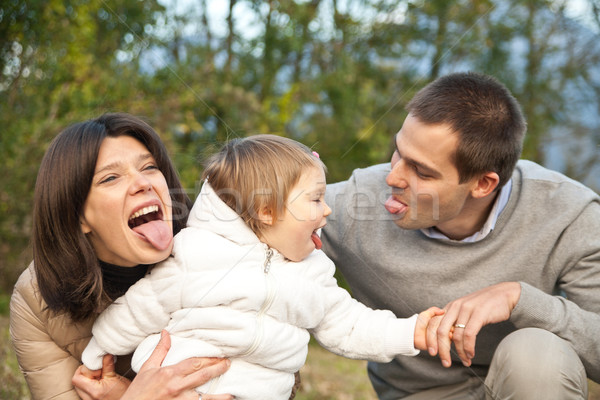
{"type": "Point", "coordinates": [48, 346]}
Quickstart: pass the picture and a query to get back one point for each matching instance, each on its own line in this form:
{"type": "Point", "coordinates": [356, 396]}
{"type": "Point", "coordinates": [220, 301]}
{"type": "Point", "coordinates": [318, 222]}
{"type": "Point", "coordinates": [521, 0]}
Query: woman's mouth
{"type": "Point", "coordinates": [144, 215]}
{"type": "Point", "coordinates": [148, 222]}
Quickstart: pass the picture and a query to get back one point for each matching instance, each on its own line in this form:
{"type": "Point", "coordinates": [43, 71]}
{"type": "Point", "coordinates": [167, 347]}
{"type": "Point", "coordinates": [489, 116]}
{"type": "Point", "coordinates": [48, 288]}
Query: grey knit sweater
{"type": "Point", "coordinates": [547, 238]}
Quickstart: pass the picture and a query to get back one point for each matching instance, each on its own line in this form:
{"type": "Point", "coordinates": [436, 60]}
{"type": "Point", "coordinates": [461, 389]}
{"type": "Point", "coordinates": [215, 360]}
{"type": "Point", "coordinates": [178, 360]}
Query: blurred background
{"type": "Point", "coordinates": [333, 74]}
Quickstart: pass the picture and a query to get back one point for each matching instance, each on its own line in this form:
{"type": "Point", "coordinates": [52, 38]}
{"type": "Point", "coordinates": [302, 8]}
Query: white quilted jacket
{"type": "Point", "coordinates": [223, 293]}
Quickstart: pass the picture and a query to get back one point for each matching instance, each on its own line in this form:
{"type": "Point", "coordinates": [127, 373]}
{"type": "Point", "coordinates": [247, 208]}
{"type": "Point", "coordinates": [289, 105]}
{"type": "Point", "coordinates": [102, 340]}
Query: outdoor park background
{"type": "Point", "coordinates": [333, 74]}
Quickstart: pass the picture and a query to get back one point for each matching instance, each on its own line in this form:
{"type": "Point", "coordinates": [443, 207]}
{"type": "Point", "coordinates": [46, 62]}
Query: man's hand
{"type": "Point", "coordinates": [465, 317]}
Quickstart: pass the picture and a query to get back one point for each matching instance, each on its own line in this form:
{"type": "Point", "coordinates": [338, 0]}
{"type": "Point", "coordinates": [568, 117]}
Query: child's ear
{"type": "Point", "coordinates": [265, 216]}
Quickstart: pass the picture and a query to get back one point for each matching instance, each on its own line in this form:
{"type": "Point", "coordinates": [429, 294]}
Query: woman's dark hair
{"type": "Point", "coordinates": [67, 269]}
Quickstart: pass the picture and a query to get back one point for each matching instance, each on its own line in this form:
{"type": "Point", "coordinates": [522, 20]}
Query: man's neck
{"type": "Point", "coordinates": [471, 219]}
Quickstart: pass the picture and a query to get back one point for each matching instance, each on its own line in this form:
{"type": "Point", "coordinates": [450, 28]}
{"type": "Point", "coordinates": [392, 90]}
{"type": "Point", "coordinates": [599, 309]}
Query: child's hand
{"type": "Point", "coordinates": [100, 384]}
{"type": "Point", "coordinates": [421, 326]}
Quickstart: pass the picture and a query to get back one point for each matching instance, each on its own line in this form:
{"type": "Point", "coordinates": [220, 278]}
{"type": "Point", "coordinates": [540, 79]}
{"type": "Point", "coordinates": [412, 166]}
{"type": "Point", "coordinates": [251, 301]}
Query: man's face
{"type": "Point", "coordinates": [424, 180]}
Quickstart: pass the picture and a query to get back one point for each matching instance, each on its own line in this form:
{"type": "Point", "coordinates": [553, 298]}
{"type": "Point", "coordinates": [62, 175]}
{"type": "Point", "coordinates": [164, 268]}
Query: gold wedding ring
{"type": "Point", "coordinates": [459, 326]}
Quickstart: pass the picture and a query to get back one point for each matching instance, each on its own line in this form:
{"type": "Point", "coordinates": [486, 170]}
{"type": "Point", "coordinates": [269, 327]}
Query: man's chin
{"type": "Point", "coordinates": [411, 224]}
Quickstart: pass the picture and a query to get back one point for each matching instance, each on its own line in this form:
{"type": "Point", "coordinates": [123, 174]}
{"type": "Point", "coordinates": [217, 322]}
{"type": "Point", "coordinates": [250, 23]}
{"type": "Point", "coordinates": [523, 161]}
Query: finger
{"type": "Point", "coordinates": [204, 370]}
{"type": "Point", "coordinates": [83, 371]}
{"type": "Point", "coordinates": [83, 383]}
{"type": "Point", "coordinates": [476, 322]}
{"type": "Point", "coordinates": [431, 334]}
{"type": "Point", "coordinates": [443, 335]}
{"type": "Point", "coordinates": [159, 353]}
{"type": "Point", "coordinates": [461, 334]}
{"type": "Point", "coordinates": [108, 366]}
{"type": "Point", "coordinates": [437, 311]}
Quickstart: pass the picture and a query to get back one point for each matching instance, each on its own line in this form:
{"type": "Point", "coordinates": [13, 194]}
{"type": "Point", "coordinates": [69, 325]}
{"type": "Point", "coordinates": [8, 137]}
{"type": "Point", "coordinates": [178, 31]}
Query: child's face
{"type": "Point", "coordinates": [294, 233]}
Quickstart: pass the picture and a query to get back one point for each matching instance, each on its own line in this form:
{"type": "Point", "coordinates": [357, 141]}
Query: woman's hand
{"type": "Point", "coordinates": [153, 381]}
{"type": "Point", "coordinates": [175, 381]}
{"type": "Point", "coordinates": [100, 384]}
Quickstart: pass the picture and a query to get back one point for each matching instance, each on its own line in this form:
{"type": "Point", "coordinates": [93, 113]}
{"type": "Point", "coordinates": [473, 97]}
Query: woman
{"type": "Point", "coordinates": [107, 202]}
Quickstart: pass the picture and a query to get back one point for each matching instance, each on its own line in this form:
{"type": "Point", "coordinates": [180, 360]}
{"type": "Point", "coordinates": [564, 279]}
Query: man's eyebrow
{"type": "Point", "coordinates": [116, 164]}
{"type": "Point", "coordinates": [424, 168]}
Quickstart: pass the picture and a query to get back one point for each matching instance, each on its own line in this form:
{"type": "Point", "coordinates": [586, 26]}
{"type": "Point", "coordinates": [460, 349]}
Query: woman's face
{"type": "Point", "coordinates": [127, 213]}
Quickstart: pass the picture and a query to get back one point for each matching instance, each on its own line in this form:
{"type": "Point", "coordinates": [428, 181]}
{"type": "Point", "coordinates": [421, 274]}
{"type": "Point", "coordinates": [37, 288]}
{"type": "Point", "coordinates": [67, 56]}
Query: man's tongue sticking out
{"type": "Point", "coordinates": [157, 233]}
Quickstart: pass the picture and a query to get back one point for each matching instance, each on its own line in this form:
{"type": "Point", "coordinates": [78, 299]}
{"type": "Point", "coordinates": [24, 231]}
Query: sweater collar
{"type": "Point", "coordinates": [117, 279]}
{"type": "Point", "coordinates": [499, 205]}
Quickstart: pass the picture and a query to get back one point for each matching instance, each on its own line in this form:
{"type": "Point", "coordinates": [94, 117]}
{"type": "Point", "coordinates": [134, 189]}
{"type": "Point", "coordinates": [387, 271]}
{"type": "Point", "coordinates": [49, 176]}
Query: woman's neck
{"type": "Point", "coordinates": [116, 279]}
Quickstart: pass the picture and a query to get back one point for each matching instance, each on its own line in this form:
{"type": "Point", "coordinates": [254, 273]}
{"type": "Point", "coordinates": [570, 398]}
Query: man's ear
{"type": "Point", "coordinates": [85, 228]}
{"type": "Point", "coordinates": [265, 216]}
{"type": "Point", "coordinates": [485, 185]}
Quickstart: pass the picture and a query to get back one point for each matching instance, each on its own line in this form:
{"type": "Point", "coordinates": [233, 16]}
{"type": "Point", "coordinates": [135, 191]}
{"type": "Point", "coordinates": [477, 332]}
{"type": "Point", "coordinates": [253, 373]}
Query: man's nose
{"type": "Point", "coordinates": [396, 177]}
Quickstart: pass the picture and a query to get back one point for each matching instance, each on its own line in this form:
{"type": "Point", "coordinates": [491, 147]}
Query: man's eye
{"type": "Point", "coordinates": [420, 174]}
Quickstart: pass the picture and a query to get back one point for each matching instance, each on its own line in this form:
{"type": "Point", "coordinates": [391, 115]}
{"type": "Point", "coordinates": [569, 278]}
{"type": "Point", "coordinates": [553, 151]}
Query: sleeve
{"type": "Point", "coordinates": [143, 310]}
{"type": "Point", "coordinates": [47, 367]}
{"type": "Point", "coordinates": [574, 315]}
{"type": "Point", "coordinates": [353, 330]}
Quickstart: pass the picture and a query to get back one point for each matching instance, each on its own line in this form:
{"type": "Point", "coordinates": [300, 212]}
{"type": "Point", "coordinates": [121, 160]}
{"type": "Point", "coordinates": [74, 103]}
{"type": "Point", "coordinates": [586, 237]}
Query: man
{"type": "Point", "coordinates": [511, 249]}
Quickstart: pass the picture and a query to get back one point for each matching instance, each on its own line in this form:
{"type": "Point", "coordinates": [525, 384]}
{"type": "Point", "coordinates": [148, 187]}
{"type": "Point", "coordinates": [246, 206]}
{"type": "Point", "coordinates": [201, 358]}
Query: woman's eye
{"type": "Point", "coordinates": [150, 167]}
{"type": "Point", "coordinates": [108, 179]}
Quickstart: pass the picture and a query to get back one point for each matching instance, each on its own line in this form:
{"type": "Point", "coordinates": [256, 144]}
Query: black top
{"type": "Point", "coordinates": [117, 279]}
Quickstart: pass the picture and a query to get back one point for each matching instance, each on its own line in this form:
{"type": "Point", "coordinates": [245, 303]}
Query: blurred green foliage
{"type": "Point", "coordinates": [332, 74]}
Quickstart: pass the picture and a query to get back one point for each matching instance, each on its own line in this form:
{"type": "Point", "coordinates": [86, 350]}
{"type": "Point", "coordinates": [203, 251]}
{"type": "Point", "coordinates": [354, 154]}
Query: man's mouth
{"type": "Point", "coordinates": [395, 206]}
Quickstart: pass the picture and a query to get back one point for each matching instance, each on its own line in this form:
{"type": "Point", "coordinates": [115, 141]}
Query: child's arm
{"type": "Point", "coordinates": [421, 326]}
{"type": "Point", "coordinates": [142, 311]}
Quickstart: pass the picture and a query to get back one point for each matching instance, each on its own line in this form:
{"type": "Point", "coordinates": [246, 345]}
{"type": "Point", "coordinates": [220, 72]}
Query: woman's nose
{"type": "Point", "coordinates": [140, 183]}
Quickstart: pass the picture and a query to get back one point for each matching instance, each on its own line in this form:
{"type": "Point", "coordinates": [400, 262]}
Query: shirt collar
{"type": "Point", "coordinates": [490, 223]}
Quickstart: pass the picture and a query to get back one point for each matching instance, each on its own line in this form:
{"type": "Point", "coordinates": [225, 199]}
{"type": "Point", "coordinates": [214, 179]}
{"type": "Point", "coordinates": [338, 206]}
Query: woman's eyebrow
{"type": "Point", "coordinates": [108, 167]}
{"type": "Point", "coordinates": [116, 164]}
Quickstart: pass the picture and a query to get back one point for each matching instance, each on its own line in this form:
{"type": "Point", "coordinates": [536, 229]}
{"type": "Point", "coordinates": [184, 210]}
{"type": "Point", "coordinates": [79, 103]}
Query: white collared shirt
{"type": "Point", "coordinates": [490, 223]}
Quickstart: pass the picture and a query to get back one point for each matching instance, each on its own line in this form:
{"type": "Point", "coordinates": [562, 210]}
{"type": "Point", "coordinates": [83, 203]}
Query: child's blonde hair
{"type": "Point", "coordinates": [257, 173]}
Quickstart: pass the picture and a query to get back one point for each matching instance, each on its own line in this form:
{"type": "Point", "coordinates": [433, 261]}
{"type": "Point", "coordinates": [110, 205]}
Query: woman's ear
{"type": "Point", "coordinates": [85, 228]}
{"type": "Point", "coordinates": [485, 185]}
{"type": "Point", "coordinates": [265, 216]}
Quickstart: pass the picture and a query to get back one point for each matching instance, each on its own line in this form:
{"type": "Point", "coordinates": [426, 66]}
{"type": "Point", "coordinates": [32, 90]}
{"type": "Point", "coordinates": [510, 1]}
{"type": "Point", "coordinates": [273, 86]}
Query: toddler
{"type": "Point", "coordinates": [247, 281]}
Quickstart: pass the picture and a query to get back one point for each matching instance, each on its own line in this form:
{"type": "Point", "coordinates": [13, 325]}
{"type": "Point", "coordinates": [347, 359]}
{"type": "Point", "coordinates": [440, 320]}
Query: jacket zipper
{"type": "Point", "coordinates": [269, 298]}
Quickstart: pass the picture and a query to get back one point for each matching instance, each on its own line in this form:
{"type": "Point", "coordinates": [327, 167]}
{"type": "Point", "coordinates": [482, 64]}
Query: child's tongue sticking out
{"type": "Point", "coordinates": [316, 240]}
